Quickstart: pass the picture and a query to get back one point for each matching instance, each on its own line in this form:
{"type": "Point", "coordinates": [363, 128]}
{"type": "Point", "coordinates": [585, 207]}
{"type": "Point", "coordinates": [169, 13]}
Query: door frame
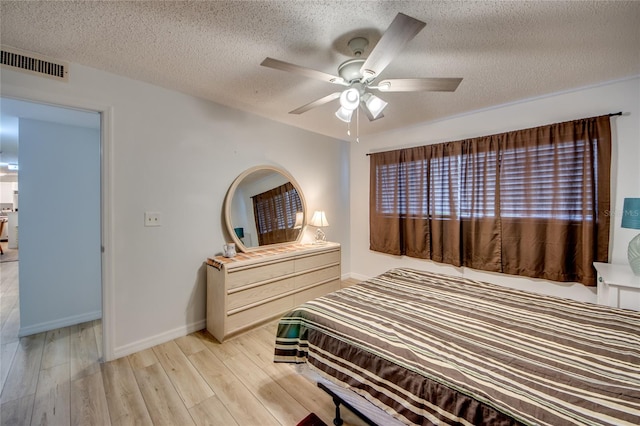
{"type": "Point", "coordinates": [106, 197]}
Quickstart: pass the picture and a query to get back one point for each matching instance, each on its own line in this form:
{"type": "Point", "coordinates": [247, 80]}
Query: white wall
{"type": "Point", "coordinates": [59, 233]}
{"type": "Point", "coordinates": [603, 99]}
{"type": "Point", "coordinates": [177, 154]}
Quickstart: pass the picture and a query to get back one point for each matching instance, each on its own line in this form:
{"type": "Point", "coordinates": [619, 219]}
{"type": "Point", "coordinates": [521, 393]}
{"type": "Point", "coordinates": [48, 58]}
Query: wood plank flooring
{"type": "Point", "coordinates": [55, 378]}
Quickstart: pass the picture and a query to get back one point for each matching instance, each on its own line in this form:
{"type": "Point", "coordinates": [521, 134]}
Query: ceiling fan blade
{"type": "Point", "coordinates": [316, 103]}
{"type": "Point", "coordinates": [297, 69]}
{"type": "Point", "coordinates": [401, 31]}
{"type": "Point", "coordinates": [419, 84]}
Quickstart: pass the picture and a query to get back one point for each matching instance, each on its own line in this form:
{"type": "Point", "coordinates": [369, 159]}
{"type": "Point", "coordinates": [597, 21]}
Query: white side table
{"type": "Point", "coordinates": [618, 286]}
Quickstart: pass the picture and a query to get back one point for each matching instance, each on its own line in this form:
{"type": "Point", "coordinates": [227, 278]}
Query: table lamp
{"type": "Point", "coordinates": [239, 232]}
{"type": "Point", "coordinates": [631, 220]}
{"type": "Point", "coordinates": [319, 220]}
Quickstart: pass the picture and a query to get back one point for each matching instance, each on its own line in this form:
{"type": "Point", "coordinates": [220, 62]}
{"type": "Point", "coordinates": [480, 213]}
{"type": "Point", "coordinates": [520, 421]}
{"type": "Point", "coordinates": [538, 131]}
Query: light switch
{"type": "Point", "coordinates": [152, 219]}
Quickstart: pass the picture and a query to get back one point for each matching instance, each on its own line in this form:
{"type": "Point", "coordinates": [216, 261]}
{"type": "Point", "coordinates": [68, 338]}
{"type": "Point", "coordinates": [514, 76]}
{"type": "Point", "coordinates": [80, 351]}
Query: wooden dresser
{"type": "Point", "coordinates": [255, 287]}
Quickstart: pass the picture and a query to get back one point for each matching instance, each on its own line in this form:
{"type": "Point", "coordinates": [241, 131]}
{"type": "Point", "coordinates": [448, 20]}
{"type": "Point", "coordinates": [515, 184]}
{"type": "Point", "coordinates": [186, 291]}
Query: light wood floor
{"type": "Point", "coordinates": [55, 378]}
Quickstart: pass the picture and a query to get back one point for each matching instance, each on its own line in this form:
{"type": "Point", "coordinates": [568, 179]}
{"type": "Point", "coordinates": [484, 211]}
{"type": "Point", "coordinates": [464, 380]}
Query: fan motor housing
{"type": "Point", "coordinates": [349, 70]}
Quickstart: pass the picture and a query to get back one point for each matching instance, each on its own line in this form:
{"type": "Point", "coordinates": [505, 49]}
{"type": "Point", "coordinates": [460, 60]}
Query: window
{"type": "Point", "coordinates": [545, 194]}
{"type": "Point", "coordinates": [510, 203]}
{"type": "Point", "coordinates": [275, 213]}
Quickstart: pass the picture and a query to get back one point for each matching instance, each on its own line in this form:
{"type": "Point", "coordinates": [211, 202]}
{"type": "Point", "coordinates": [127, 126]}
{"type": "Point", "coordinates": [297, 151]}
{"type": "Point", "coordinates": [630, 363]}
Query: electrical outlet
{"type": "Point", "coordinates": [152, 219]}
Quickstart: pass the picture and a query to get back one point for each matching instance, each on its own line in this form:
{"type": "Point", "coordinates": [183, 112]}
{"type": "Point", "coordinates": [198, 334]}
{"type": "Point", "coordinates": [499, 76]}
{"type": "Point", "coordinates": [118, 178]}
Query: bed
{"type": "Point", "coordinates": [434, 349]}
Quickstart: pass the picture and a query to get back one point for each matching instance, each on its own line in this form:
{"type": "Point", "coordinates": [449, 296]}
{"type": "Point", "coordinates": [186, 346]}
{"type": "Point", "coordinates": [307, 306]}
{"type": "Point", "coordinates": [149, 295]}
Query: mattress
{"type": "Point", "coordinates": [435, 349]}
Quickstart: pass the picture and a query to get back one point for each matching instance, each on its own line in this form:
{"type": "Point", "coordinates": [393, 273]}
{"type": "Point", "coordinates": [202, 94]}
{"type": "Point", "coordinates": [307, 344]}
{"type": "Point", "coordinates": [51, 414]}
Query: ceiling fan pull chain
{"type": "Point", "coordinates": [349, 128]}
{"type": "Point", "coordinates": [358, 125]}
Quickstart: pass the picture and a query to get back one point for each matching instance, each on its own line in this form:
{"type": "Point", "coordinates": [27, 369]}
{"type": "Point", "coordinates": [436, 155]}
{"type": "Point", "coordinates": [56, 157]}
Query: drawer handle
{"type": "Point", "coordinates": [600, 279]}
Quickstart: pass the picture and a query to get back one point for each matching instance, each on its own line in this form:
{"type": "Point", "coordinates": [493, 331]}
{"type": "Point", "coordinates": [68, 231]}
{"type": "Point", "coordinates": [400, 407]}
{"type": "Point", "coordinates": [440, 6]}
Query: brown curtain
{"type": "Point", "coordinates": [275, 214]}
{"type": "Point", "coordinates": [530, 202]}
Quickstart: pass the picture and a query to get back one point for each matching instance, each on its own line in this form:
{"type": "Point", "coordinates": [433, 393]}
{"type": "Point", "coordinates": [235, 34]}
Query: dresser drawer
{"type": "Point", "coordinates": [258, 293]}
{"type": "Point", "coordinates": [316, 291]}
{"type": "Point", "coordinates": [258, 314]}
{"type": "Point", "coordinates": [318, 260]}
{"type": "Point", "coordinates": [250, 275]}
{"type": "Point", "coordinates": [310, 278]}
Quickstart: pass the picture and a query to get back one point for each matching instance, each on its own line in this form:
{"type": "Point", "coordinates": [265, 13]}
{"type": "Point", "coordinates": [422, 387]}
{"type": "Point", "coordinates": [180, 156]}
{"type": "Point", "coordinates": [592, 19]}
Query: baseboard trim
{"type": "Point", "coordinates": [358, 277]}
{"type": "Point", "coordinates": [59, 323]}
{"type": "Point", "coordinates": [164, 337]}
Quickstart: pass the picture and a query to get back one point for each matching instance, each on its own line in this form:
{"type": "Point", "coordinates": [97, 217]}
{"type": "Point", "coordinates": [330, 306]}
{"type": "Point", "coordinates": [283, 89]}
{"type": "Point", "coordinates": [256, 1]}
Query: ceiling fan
{"type": "Point", "coordinates": [358, 74]}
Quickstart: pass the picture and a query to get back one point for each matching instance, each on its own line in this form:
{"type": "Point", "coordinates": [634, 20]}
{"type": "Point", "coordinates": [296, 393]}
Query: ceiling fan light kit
{"type": "Point", "coordinates": [358, 74]}
{"type": "Point", "coordinates": [344, 114]}
{"type": "Point", "coordinates": [350, 98]}
{"type": "Point", "coordinates": [374, 104]}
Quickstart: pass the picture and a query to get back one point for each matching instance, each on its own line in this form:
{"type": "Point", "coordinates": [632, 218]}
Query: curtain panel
{"type": "Point", "coordinates": [275, 214]}
{"type": "Point", "coordinates": [531, 202]}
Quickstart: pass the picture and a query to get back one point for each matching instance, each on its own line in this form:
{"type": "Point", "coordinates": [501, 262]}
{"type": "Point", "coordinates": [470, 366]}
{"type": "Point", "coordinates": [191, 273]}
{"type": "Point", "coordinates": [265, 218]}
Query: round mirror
{"type": "Point", "coordinates": [264, 206]}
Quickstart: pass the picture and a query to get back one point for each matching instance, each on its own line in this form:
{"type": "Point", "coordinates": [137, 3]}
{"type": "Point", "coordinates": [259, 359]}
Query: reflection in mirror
{"type": "Point", "coordinates": [264, 206]}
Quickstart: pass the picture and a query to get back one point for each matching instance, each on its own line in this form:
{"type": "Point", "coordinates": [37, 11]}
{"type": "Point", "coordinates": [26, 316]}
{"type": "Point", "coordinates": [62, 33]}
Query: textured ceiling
{"type": "Point", "coordinates": [505, 51]}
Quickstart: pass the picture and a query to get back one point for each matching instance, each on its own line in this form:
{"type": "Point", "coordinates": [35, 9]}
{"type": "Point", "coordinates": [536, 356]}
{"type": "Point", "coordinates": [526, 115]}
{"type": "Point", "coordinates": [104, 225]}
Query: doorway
{"type": "Point", "coordinates": [59, 235]}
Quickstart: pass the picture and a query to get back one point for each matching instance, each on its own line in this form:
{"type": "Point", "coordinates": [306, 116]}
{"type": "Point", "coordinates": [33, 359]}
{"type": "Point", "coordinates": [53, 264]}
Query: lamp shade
{"type": "Point", "coordinates": [319, 219]}
{"type": "Point", "coordinates": [374, 104]}
{"type": "Point", "coordinates": [631, 220]}
{"type": "Point", "coordinates": [344, 114]}
{"type": "Point", "coordinates": [299, 220]}
{"type": "Point", "coordinates": [239, 232]}
{"type": "Point", "coordinates": [631, 213]}
{"type": "Point", "coordinates": [350, 99]}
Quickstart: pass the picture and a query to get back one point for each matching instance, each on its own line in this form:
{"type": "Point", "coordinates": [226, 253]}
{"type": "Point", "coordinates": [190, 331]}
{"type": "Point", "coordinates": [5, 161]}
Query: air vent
{"type": "Point", "coordinates": [33, 63]}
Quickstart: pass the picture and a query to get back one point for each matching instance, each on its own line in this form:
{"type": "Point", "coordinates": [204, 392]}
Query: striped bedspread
{"type": "Point", "coordinates": [434, 349]}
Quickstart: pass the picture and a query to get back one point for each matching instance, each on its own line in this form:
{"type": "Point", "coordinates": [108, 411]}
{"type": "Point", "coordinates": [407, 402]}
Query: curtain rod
{"type": "Point", "coordinates": [613, 114]}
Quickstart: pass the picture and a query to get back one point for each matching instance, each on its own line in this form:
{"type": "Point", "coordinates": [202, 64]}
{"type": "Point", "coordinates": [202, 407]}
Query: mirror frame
{"type": "Point", "coordinates": [229, 197]}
